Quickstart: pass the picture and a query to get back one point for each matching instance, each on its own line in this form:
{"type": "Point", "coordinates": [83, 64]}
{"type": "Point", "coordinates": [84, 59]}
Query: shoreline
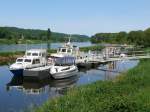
{"type": "Point", "coordinates": [128, 92]}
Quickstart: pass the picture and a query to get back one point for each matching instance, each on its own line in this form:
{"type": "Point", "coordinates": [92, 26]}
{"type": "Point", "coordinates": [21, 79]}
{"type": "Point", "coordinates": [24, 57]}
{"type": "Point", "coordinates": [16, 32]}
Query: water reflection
{"type": "Point", "coordinates": [35, 86]}
{"type": "Point", "coordinates": [62, 85]}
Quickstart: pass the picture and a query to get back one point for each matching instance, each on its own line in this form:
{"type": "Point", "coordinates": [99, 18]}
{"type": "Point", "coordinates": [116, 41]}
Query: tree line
{"type": "Point", "coordinates": [138, 38]}
{"type": "Point", "coordinates": [35, 34]}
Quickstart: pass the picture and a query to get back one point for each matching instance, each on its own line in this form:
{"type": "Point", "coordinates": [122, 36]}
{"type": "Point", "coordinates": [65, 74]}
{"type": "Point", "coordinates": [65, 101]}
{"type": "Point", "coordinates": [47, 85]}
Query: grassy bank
{"type": "Point", "coordinates": [130, 92]}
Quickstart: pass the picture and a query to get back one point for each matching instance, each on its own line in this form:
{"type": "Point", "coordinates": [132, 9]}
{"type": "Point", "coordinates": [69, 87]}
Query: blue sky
{"type": "Point", "coordinates": [76, 16]}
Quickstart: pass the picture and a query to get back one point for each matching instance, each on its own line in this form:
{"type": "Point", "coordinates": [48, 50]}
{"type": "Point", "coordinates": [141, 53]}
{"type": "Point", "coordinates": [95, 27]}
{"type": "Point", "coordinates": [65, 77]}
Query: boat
{"type": "Point", "coordinates": [64, 67]}
{"type": "Point", "coordinates": [33, 58]}
{"type": "Point", "coordinates": [66, 49]}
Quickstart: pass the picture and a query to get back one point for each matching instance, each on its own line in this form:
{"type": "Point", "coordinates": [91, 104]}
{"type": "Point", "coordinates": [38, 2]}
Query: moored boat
{"type": "Point", "coordinates": [63, 68]}
{"type": "Point", "coordinates": [33, 58]}
{"type": "Point", "coordinates": [60, 72]}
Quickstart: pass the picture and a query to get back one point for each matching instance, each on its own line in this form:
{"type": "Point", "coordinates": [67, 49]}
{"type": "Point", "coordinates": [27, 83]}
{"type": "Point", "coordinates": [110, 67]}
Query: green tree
{"type": "Point", "coordinates": [147, 37]}
{"type": "Point", "coordinates": [121, 37]}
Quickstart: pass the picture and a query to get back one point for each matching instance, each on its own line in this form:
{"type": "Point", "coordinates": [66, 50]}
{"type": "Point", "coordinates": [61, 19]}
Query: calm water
{"type": "Point", "coordinates": [23, 47]}
{"type": "Point", "coordinates": [18, 94]}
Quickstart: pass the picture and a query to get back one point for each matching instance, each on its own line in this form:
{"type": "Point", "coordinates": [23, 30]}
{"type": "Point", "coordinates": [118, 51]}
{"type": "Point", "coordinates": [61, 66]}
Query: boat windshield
{"type": "Point", "coordinates": [65, 61]}
{"type": "Point", "coordinates": [34, 54]}
{"type": "Point", "coordinates": [19, 60]}
{"type": "Point", "coordinates": [28, 54]}
{"type": "Point", "coordinates": [63, 50]}
{"type": "Point", "coordinates": [69, 51]}
{"type": "Point", "coordinates": [27, 60]}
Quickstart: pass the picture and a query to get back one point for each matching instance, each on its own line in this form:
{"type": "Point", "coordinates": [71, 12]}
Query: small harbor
{"type": "Point", "coordinates": [36, 76]}
{"type": "Point", "coordinates": [75, 56]}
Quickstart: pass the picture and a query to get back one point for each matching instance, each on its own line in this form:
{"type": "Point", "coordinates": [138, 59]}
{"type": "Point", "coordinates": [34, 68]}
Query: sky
{"type": "Point", "coordinates": [76, 16]}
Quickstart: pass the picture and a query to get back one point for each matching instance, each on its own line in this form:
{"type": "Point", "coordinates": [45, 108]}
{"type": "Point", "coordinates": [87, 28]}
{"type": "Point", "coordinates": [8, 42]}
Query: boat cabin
{"type": "Point", "coordinates": [64, 50]}
{"type": "Point", "coordinates": [34, 62]}
{"type": "Point", "coordinates": [36, 53]}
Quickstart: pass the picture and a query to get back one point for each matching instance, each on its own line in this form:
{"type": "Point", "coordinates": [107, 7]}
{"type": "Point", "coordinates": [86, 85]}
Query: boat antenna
{"type": "Point", "coordinates": [69, 39]}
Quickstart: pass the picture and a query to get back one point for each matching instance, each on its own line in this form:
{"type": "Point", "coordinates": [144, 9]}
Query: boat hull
{"type": "Point", "coordinates": [37, 73]}
{"type": "Point", "coordinates": [17, 72]}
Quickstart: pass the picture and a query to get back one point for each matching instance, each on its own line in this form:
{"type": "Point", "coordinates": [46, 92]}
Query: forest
{"type": "Point", "coordinates": [138, 38]}
{"type": "Point", "coordinates": [17, 34]}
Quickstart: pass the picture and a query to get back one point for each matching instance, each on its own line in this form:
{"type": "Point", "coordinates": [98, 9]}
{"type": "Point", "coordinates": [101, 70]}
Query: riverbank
{"type": "Point", "coordinates": [127, 93]}
{"type": "Point", "coordinates": [13, 41]}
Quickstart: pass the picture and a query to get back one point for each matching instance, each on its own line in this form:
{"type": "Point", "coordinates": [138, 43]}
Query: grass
{"type": "Point", "coordinates": [130, 92]}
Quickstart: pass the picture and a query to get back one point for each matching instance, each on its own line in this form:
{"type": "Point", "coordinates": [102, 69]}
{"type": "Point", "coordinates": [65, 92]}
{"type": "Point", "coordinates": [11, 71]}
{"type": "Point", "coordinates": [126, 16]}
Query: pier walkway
{"type": "Point", "coordinates": [99, 58]}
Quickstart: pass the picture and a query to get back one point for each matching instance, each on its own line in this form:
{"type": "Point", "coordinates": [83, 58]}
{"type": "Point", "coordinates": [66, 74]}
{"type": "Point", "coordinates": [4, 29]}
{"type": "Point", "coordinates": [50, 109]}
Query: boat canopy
{"type": "Point", "coordinates": [65, 60]}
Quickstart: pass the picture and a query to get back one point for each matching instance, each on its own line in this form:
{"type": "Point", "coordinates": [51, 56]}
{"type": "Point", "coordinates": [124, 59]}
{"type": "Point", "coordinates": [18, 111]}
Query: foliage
{"type": "Point", "coordinates": [18, 34]}
{"type": "Point", "coordinates": [140, 38]}
{"type": "Point", "coordinates": [127, 93]}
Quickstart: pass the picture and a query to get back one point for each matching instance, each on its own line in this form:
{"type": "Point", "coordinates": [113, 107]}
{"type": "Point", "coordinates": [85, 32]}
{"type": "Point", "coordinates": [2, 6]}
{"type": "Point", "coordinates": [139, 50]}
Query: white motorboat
{"type": "Point", "coordinates": [67, 49]}
{"type": "Point", "coordinates": [60, 72]}
{"type": "Point", "coordinates": [63, 68]}
{"type": "Point", "coordinates": [33, 58]}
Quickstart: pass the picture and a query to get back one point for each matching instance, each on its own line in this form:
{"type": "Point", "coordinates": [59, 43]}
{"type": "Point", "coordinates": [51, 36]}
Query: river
{"type": "Point", "coordinates": [23, 47]}
{"type": "Point", "coordinates": [18, 94]}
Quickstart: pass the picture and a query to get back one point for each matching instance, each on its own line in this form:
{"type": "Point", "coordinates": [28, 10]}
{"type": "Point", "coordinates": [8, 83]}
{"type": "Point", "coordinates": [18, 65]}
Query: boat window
{"type": "Point", "coordinates": [27, 60]}
{"type": "Point", "coordinates": [59, 49]}
{"type": "Point", "coordinates": [28, 54]}
{"type": "Point", "coordinates": [69, 50]}
{"type": "Point", "coordinates": [34, 54]}
{"type": "Point", "coordinates": [33, 62]}
{"type": "Point", "coordinates": [19, 60]}
{"type": "Point", "coordinates": [43, 54]}
{"type": "Point", "coordinates": [36, 61]}
{"type": "Point", "coordinates": [63, 50]}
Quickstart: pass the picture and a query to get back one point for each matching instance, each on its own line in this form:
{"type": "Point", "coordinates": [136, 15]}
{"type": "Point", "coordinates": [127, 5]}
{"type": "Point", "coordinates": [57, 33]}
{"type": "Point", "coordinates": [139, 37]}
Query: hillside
{"type": "Point", "coordinates": [15, 33]}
